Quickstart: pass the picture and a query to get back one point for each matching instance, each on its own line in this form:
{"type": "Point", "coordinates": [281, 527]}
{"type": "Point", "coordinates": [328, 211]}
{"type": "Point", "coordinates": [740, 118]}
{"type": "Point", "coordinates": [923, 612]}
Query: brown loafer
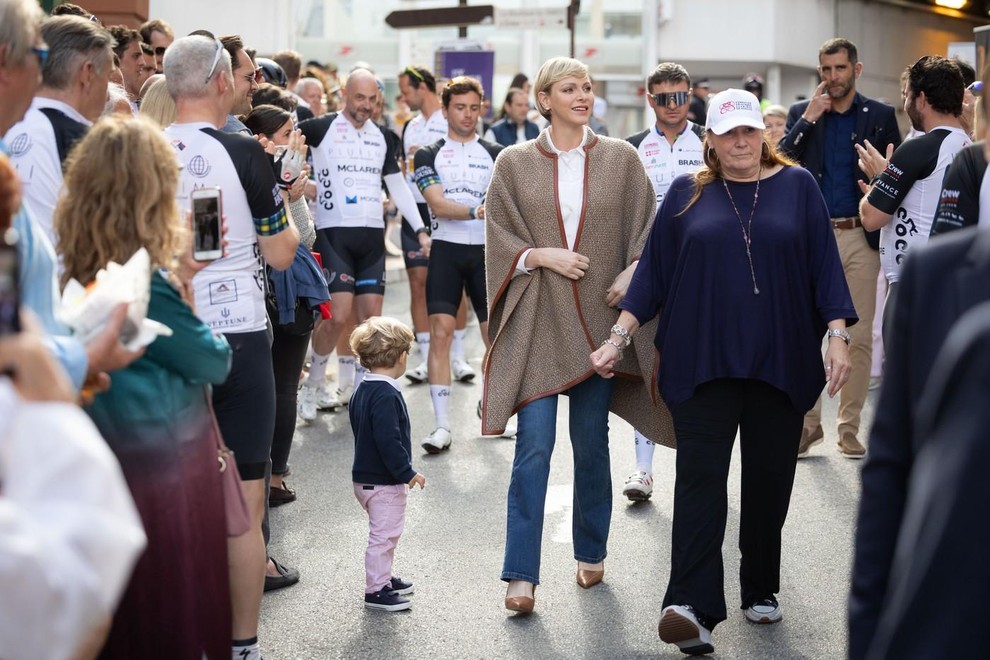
{"type": "Point", "coordinates": [588, 578]}
{"type": "Point", "coordinates": [850, 446]}
{"type": "Point", "coordinates": [279, 496]}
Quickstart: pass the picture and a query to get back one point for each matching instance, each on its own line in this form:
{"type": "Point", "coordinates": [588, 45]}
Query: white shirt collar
{"type": "Point", "coordinates": [576, 150]}
{"type": "Point", "coordinates": [384, 379]}
{"type": "Point", "coordinates": [64, 108]}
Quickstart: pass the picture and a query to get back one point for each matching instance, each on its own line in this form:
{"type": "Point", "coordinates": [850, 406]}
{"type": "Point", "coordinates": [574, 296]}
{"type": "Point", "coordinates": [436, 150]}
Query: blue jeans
{"type": "Point", "coordinates": [589, 402]}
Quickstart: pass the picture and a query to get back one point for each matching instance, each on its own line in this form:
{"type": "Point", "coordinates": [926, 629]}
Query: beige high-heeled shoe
{"type": "Point", "coordinates": [588, 578]}
{"type": "Point", "coordinates": [523, 604]}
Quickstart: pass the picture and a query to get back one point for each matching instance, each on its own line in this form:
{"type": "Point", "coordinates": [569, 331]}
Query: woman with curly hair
{"type": "Point", "coordinates": [155, 416]}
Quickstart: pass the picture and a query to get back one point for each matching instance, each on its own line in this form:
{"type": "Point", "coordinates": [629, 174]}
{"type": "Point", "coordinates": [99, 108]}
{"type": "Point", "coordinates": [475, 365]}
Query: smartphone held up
{"type": "Point", "coordinates": [207, 211]}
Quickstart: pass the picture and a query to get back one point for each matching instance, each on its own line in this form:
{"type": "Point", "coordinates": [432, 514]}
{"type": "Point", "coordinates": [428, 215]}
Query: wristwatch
{"type": "Point", "coordinates": [841, 334]}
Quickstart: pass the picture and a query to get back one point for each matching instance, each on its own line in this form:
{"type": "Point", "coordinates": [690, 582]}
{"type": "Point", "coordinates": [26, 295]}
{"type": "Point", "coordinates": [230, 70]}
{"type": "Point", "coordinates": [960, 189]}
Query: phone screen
{"type": "Point", "coordinates": [206, 226]}
{"type": "Point", "coordinates": [10, 299]}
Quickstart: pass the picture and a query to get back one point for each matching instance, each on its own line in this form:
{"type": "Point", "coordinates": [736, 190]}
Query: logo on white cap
{"type": "Point", "coordinates": [731, 108]}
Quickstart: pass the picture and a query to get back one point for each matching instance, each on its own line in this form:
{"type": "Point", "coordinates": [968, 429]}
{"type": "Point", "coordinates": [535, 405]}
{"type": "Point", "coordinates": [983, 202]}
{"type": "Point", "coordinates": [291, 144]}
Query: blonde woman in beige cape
{"type": "Point", "coordinates": [567, 216]}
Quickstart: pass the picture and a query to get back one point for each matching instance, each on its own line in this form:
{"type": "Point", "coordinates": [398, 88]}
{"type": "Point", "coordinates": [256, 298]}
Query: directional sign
{"type": "Point", "coordinates": [421, 18]}
{"type": "Point", "coordinates": [531, 19]}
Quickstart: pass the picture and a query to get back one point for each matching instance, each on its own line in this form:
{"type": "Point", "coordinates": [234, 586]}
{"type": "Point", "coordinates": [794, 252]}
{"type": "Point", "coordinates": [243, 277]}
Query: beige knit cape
{"type": "Point", "coordinates": [544, 326]}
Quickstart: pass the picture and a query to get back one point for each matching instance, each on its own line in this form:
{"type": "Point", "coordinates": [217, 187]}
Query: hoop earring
{"type": "Point", "coordinates": [711, 154]}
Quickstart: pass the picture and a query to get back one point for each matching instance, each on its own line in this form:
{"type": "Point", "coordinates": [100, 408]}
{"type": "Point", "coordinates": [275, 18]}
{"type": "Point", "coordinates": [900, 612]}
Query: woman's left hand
{"type": "Point", "coordinates": [616, 292]}
{"type": "Point", "coordinates": [604, 359]}
{"type": "Point", "coordinates": [837, 365]}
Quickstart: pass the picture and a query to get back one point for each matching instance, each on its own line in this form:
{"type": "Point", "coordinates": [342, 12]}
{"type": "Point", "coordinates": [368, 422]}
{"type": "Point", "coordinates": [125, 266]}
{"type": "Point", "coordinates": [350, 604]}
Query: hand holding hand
{"type": "Point", "coordinates": [603, 360]}
{"type": "Point", "coordinates": [819, 104]}
{"type": "Point", "coordinates": [563, 262]}
{"type": "Point", "coordinates": [418, 479]}
{"type": "Point", "coordinates": [616, 292]}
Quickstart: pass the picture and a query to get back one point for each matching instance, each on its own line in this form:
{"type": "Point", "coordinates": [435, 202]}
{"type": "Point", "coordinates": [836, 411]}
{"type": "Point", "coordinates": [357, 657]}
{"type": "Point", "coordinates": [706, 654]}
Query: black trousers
{"type": "Point", "coordinates": [705, 425]}
{"type": "Point", "coordinates": [288, 357]}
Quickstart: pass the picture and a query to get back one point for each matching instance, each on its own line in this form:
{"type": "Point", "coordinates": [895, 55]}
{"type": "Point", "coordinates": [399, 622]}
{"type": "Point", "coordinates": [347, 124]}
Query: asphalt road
{"type": "Point", "coordinates": [453, 543]}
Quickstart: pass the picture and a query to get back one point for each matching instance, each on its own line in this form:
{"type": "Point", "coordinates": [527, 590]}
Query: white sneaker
{"type": "Point", "coordinates": [420, 374]}
{"type": "Point", "coordinates": [510, 428]}
{"type": "Point", "coordinates": [437, 441]}
{"type": "Point", "coordinates": [343, 395]}
{"type": "Point", "coordinates": [461, 370]}
{"type": "Point", "coordinates": [639, 486]}
{"type": "Point", "coordinates": [765, 611]}
{"type": "Point", "coordinates": [679, 625]}
{"type": "Point", "coordinates": [326, 399]}
{"type": "Point", "coordinates": [306, 407]}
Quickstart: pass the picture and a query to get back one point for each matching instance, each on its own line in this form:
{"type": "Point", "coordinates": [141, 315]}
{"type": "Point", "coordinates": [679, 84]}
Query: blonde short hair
{"type": "Point", "coordinates": [553, 71]}
{"type": "Point", "coordinates": [775, 111]}
{"type": "Point", "coordinates": [380, 342]}
{"type": "Point", "coordinates": [157, 104]}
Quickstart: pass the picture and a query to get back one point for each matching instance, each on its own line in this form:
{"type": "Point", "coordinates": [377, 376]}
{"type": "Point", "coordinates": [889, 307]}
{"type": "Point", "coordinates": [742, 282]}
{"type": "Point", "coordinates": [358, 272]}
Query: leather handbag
{"type": "Point", "coordinates": [234, 505]}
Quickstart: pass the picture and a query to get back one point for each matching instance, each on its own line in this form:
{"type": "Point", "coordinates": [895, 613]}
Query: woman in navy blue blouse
{"type": "Point", "coordinates": [743, 269]}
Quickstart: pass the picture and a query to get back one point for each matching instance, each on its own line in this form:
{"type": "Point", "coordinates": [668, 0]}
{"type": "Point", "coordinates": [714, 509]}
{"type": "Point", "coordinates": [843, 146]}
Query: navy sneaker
{"type": "Point", "coordinates": [400, 587]}
{"type": "Point", "coordinates": [386, 600]}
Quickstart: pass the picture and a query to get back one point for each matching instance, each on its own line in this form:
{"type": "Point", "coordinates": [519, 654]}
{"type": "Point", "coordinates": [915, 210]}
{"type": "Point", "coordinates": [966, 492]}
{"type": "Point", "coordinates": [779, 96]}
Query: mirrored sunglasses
{"type": "Point", "coordinates": [664, 98]}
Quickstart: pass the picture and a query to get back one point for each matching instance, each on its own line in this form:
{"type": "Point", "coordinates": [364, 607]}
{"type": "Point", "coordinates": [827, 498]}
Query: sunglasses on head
{"type": "Point", "coordinates": [216, 58]}
{"type": "Point", "coordinates": [664, 98]}
{"type": "Point", "coordinates": [414, 73]}
{"type": "Point", "coordinates": [976, 87]}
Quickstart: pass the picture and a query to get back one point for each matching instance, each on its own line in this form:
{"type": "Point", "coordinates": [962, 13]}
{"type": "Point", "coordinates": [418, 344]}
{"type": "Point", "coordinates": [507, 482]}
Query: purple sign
{"type": "Point", "coordinates": [478, 64]}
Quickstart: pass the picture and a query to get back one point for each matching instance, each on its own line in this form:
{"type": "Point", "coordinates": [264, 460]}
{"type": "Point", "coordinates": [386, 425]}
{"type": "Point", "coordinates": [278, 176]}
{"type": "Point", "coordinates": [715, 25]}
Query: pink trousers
{"type": "Point", "coordinates": [386, 507]}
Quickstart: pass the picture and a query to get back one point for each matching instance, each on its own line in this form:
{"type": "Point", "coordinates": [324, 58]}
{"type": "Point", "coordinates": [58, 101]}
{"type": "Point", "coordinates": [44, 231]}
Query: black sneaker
{"type": "Point", "coordinates": [400, 587]}
{"type": "Point", "coordinates": [680, 625]}
{"type": "Point", "coordinates": [387, 600]}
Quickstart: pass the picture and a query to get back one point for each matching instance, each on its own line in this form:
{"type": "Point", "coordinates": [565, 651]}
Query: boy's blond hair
{"type": "Point", "coordinates": [380, 341]}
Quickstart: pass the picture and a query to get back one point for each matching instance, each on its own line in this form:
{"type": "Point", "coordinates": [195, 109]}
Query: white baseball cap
{"type": "Point", "coordinates": [731, 108]}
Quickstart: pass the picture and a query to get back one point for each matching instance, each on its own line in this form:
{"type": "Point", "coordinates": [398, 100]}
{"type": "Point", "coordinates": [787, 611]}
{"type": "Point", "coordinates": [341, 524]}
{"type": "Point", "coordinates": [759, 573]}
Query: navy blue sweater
{"type": "Point", "coordinates": [382, 436]}
{"type": "Point", "coordinates": [695, 273]}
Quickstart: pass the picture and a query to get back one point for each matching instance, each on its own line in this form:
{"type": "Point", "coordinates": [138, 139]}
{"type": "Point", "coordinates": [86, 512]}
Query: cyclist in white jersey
{"type": "Point", "coordinates": [905, 192]}
{"type": "Point", "coordinates": [671, 147]}
{"type": "Point", "coordinates": [352, 159]}
{"type": "Point", "coordinates": [453, 174]}
{"type": "Point", "coordinates": [419, 90]}
{"type": "Point", "coordinates": [229, 292]}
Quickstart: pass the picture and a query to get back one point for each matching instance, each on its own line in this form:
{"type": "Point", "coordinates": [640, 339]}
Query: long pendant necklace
{"type": "Point", "coordinates": [747, 229]}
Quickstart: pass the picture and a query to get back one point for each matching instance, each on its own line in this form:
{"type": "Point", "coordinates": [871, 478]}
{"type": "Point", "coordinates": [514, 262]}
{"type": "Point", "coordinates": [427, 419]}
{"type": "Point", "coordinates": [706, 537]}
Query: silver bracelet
{"type": "Point", "coordinates": [622, 333]}
{"type": "Point", "coordinates": [612, 343]}
{"type": "Point", "coordinates": [841, 334]}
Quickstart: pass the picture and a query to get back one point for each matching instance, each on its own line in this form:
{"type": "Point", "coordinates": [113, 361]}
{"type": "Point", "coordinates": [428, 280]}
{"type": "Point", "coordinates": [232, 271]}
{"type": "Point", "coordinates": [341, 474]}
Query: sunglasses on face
{"type": "Point", "coordinates": [41, 52]}
{"type": "Point", "coordinates": [663, 99]}
{"type": "Point", "coordinates": [160, 51]}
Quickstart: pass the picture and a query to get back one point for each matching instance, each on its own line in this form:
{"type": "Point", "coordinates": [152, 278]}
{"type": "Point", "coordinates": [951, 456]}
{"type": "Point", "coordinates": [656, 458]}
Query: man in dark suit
{"type": "Point", "coordinates": [821, 134]}
{"type": "Point", "coordinates": [939, 571]}
{"type": "Point", "coordinates": [938, 284]}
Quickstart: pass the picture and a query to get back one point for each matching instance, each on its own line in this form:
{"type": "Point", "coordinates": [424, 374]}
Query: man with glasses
{"type": "Point", "coordinates": [159, 35]}
{"type": "Point", "coordinates": [229, 292]}
{"type": "Point", "coordinates": [247, 77]}
{"type": "Point", "coordinates": [822, 134]}
{"type": "Point", "coordinates": [669, 148]}
{"type": "Point", "coordinates": [71, 97]}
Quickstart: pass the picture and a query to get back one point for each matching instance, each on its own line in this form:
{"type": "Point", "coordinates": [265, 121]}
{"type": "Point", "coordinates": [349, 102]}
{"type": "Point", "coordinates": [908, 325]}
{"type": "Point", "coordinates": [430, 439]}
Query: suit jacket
{"type": "Point", "coordinates": [938, 284]}
{"type": "Point", "coordinates": [804, 141]}
{"type": "Point", "coordinates": [939, 571]}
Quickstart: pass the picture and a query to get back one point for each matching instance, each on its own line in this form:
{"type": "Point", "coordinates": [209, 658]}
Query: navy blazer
{"type": "Point", "coordinates": [939, 572]}
{"type": "Point", "coordinates": [875, 121]}
{"type": "Point", "coordinates": [939, 283]}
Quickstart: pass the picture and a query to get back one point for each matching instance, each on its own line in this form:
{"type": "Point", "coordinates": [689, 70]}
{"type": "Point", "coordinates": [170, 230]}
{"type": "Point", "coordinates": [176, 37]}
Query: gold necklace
{"type": "Point", "coordinates": [747, 229]}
